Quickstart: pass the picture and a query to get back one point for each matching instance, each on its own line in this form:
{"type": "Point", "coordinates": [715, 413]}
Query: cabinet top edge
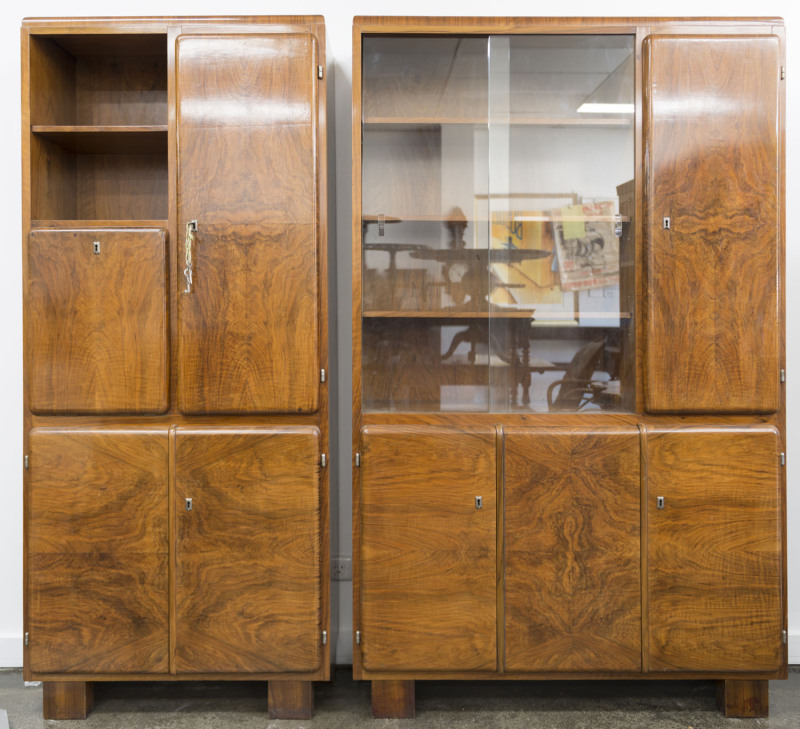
{"type": "Point", "coordinates": [410, 23]}
{"type": "Point", "coordinates": [158, 24]}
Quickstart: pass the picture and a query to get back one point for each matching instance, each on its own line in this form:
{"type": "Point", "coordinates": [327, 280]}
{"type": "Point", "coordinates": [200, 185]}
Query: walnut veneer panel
{"type": "Point", "coordinates": [714, 549]}
{"type": "Point", "coordinates": [97, 335]}
{"type": "Point", "coordinates": [247, 573]}
{"type": "Point", "coordinates": [247, 146]}
{"type": "Point", "coordinates": [571, 521]}
{"type": "Point", "coordinates": [428, 555]}
{"type": "Point", "coordinates": [711, 155]}
{"type": "Point", "coordinates": [97, 551]}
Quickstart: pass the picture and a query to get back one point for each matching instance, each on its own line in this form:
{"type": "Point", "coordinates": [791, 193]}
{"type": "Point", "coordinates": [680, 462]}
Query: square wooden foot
{"type": "Point", "coordinates": [393, 699]}
{"type": "Point", "coordinates": [743, 699]}
{"type": "Point", "coordinates": [291, 699]}
{"type": "Point", "coordinates": [67, 699]}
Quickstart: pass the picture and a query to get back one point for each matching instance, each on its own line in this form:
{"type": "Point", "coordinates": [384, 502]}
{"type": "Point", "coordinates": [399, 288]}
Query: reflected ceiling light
{"type": "Point", "coordinates": [613, 95]}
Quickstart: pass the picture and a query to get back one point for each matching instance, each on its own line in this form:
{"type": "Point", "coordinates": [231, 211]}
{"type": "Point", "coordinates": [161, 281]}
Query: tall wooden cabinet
{"type": "Point", "coordinates": [176, 354]}
{"type": "Point", "coordinates": [568, 317]}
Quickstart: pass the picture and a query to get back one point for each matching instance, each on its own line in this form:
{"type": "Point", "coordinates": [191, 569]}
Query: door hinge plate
{"type": "Point", "coordinates": [323, 375]}
{"type": "Point", "coordinates": [323, 460]}
{"type": "Point", "coordinates": [319, 71]}
{"type": "Point", "coordinates": [783, 72]}
{"type": "Point", "coordinates": [358, 460]}
{"type": "Point", "coordinates": [324, 637]}
{"type": "Point", "coordinates": [783, 459]}
{"type": "Point", "coordinates": [28, 638]}
{"type": "Point", "coordinates": [358, 637]}
{"type": "Point", "coordinates": [26, 461]}
{"type": "Point", "coordinates": [783, 375]}
{"type": "Point", "coordinates": [784, 637]}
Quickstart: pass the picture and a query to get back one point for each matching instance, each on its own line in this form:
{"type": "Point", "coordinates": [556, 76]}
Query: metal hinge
{"type": "Point", "coordinates": [784, 636]}
{"type": "Point", "coordinates": [319, 71]}
{"type": "Point", "coordinates": [28, 637]}
{"type": "Point", "coordinates": [323, 375]}
{"type": "Point", "coordinates": [783, 375]}
{"type": "Point", "coordinates": [26, 460]}
{"type": "Point", "coordinates": [783, 72]}
{"type": "Point", "coordinates": [324, 637]}
{"type": "Point", "coordinates": [783, 459]}
{"type": "Point", "coordinates": [358, 637]}
{"type": "Point", "coordinates": [323, 460]}
{"type": "Point", "coordinates": [358, 460]}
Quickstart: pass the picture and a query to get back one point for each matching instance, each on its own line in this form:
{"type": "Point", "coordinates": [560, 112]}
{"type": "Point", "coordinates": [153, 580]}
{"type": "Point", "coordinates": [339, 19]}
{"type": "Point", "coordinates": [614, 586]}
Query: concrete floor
{"type": "Point", "coordinates": [344, 704]}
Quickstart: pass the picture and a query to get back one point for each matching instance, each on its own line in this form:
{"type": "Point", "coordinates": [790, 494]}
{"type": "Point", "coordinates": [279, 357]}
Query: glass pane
{"type": "Point", "coordinates": [424, 235]}
{"type": "Point", "coordinates": [560, 203]}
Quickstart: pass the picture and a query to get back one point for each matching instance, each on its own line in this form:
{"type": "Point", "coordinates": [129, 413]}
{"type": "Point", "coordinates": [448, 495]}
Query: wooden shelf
{"type": "Point", "coordinates": [496, 314]}
{"type": "Point", "coordinates": [148, 139]}
{"type": "Point", "coordinates": [100, 223]}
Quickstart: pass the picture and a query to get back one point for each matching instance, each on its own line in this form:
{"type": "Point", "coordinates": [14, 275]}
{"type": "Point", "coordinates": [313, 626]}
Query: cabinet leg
{"type": "Point", "coordinates": [67, 699]}
{"type": "Point", "coordinates": [743, 699]}
{"type": "Point", "coordinates": [393, 699]}
{"type": "Point", "coordinates": [291, 699]}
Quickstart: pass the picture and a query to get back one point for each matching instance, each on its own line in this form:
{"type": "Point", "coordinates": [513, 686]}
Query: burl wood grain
{"type": "Point", "coordinates": [291, 699]}
{"type": "Point", "coordinates": [711, 155]}
{"type": "Point", "coordinates": [67, 699]}
{"type": "Point", "coordinates": [714, 550]}
{"type": "Point", "coordinates": [97, 551]}
{"type": "Point", "coordinates": [427, 554]}
{"type": "Point", "coordinates": [572, 586]}
{"type": "Point", "coordinates": [247, 573]}
{"type": "Point", "coordinates": [393, 699]}
{"type": "Point", "coordinates": [743, 698]}
{"type": "Point", "coordinates": [97, 339]}
{"type": "Point", "coordinates": [248, 334]}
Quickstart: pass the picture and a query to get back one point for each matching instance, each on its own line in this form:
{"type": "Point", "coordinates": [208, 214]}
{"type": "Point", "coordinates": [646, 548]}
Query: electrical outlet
{"type": "Point", "coordinates": [342, 568]}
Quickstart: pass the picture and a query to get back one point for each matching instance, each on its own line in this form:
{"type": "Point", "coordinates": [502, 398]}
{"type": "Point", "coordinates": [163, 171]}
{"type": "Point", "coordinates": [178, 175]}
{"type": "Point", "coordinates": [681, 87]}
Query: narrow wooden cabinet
{"type": "Point", "coordinates": [176, 354]}
{"type": "Point", "coordinates": [568, 236]}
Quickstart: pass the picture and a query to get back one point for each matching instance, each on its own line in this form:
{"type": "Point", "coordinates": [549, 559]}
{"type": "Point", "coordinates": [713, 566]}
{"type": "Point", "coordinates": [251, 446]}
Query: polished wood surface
{"type": "Point", "coordinates": [743, 699]}
{"type": "Point", "coordinates": [247, 556]}
{"type": "Point", "coordinates": [714, 549]}
{"type": "Point", "coordinates": [98, 336]}
{"type": "Point", "coordinates": [291, 699]}
{"type": "Point", "coordinates": [393, 699]}
{"type": "Point", "coordinates": [248, 333]}
{"type": "Point", "coordinates": [572, 588]}
{"type": "Point", "coordinates": [97, 551]}
{"type": "Point", "coordinates": [427, 553]}
{"type": "Point", "coordinates": [710, 125]}
{"type": "Point", "coordinates": [67, 699]}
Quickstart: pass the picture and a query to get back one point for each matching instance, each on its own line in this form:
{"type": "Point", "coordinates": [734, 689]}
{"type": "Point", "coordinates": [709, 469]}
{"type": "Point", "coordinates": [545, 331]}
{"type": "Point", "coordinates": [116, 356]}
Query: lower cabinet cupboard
{"type": "Point", "coordinates": [629, 550]}
{"type": "Point", "coordinates": [241, 578]}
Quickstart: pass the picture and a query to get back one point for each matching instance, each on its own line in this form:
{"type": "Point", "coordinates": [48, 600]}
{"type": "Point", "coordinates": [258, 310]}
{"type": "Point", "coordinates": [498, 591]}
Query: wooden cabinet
{"type": "Point", "coordinates": [568, 236]}
{"type": "Point", "coordinates": [176, 330]}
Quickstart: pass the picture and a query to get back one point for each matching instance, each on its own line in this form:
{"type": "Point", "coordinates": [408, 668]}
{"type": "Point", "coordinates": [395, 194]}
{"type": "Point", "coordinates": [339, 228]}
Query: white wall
{"type": "Point", "coordinates": [339, 19]}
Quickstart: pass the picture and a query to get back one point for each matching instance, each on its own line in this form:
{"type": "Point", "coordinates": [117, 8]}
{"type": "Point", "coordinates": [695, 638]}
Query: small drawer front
{"type": "Point", "coordinates": [97, 321]}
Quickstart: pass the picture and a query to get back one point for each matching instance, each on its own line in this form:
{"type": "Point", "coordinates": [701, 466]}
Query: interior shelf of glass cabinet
{"type": "Point", "coordinates": [532, 315]}
{"type": "Point", "coordinates": [115, 139]}
{"type": "Point", "coordinates": [399, 121]}
{"type": "Point", "coordinates": [485, 219]}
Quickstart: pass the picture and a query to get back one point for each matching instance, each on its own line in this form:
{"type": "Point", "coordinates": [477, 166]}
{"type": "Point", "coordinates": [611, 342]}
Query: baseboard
{"type": "Point", "coordinates": [10, 650]}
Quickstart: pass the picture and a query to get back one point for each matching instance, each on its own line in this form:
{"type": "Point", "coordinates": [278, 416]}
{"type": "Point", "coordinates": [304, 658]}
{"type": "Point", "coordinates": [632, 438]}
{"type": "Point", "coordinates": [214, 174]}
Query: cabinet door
{"type": "Point", "coordinates": [714, 549]}
{"type": "Point", "coordinates": [712, 227]}
{"type": "Point", "coordinates": [247, 173]}
{"type": "Point", "coordinates": [97, 551]}
{"type": "Point", "coordinates": [572, 559]}
{"type": "Point", "coordinates": [428, 553]}
{"type": "Point", "coordinates": [97, 321]}
{"type": "Point", "coordinates": [247, 575]}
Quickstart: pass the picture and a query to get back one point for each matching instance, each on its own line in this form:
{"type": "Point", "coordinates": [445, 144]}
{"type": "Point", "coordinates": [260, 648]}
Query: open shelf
{"type": "Point", "coordinates": [148, 139]}
{"type": "Point", "coordinates": [496, 314]}
{"type": "Point", "coordinates": [416, 121]}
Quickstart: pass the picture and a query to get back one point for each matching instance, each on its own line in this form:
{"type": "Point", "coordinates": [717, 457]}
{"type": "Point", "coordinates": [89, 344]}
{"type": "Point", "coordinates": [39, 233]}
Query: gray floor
{"type": "Point", "coordinates": [451, 704]}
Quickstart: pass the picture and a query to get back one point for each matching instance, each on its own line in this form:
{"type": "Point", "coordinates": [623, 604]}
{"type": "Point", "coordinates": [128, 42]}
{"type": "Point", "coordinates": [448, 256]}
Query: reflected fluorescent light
{"type": "Point", "coordinates": [597, 108]}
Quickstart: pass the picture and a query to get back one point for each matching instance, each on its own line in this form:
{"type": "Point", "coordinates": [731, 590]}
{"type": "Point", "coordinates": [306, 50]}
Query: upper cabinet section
{"type": "Point", "coordinates": [248, 312]}
{"type": "Point", "coordinates": [496, 213]}
{"type": "Point", "coordinates": [712, 225]}
{"type": "Point", "coordinates": [98, 125]}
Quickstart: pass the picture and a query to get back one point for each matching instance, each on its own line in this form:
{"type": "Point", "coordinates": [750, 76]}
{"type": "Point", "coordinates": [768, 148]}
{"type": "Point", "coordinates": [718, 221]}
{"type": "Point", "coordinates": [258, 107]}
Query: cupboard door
{"type": "Point", "coordinates": [712, 159]}
{"type": "Point", "coordinates": [247, 154]}
{"type": "Point", "coordinates": [714, 549]}
{"type": "Point", "coordinates": [97, 321]}
{"type": "Point", "coordinates": [248, 546]}
{"type": "Point", "coordinates": [572, 559]}
{"type": "Point", "coordinates": [97, 551]}
{"type": "Point", "coordinates": [428, 549]}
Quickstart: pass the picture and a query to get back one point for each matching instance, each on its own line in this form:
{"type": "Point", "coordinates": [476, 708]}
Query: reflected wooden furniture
{"type": "Point", "coordinates": [176, 355]}
{"type": "Point", "coordinates": [495, 541]}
